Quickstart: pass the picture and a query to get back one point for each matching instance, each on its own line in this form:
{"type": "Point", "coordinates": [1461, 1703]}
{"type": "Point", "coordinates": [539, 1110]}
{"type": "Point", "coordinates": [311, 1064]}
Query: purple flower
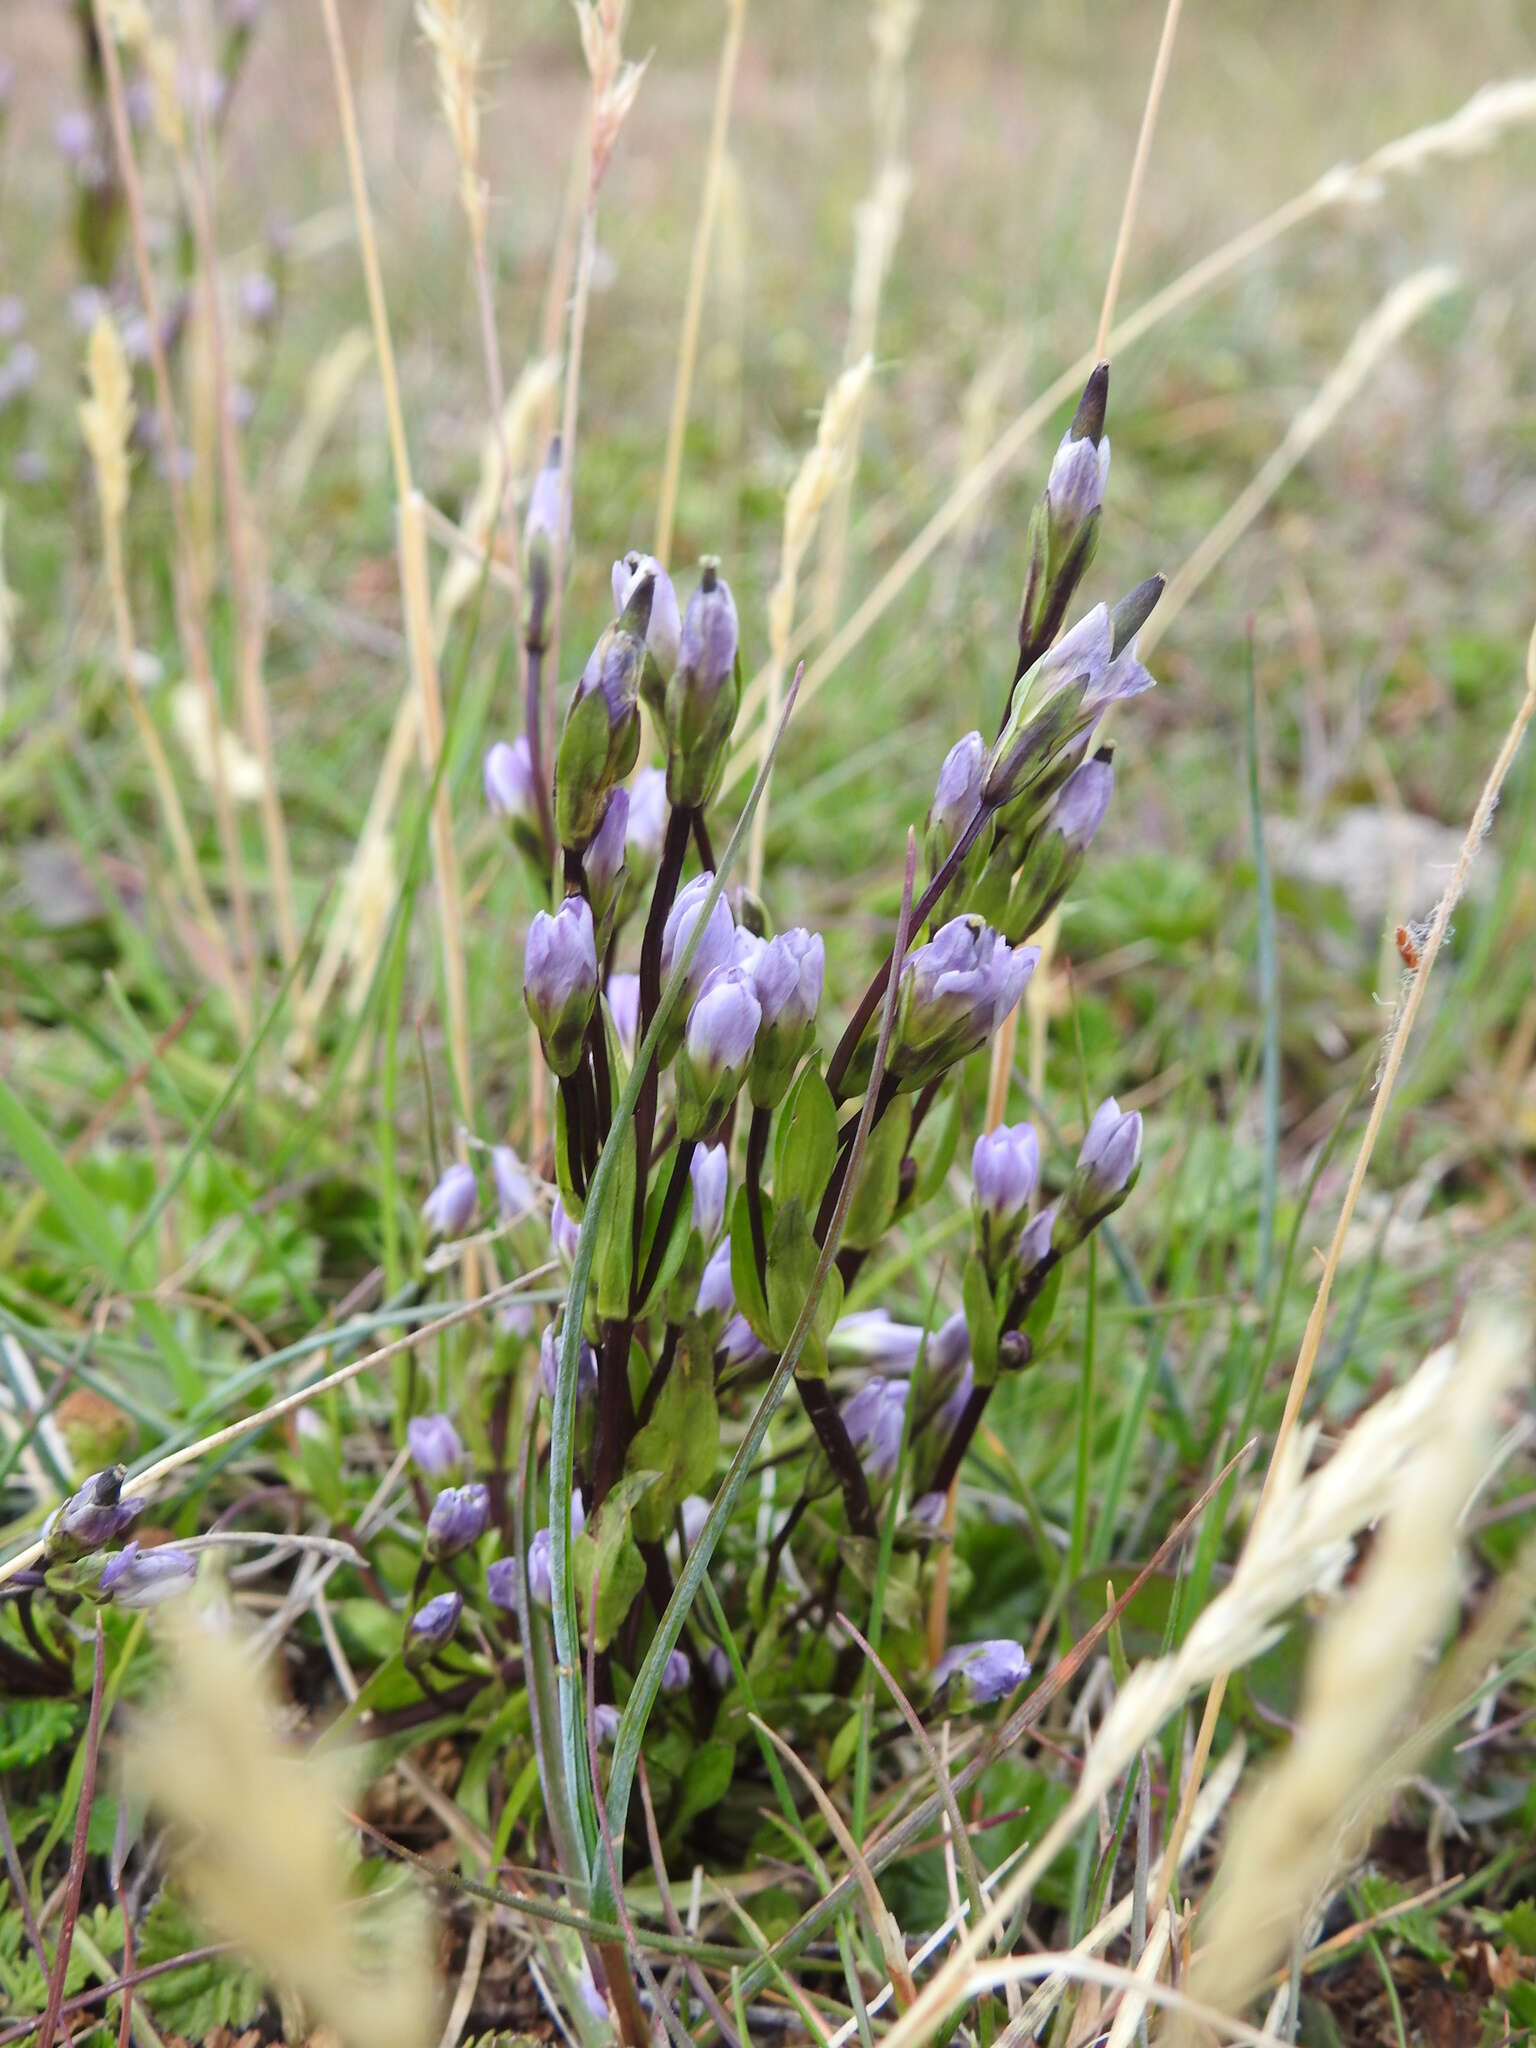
{"type": "Point", "coordinates": [1052, 703]}
{"type": "Point", "coordinates": [18, 374]}
{"type": "Point", "coordinates": [710, 1171]}
{"type": "Point", "coordinates": [13, 316]}
{"type": "Point", "coordinates": [460, 1517]}
{"type": "Point", "coordinates": [258, 298]}
{"type": "Point", "coordinates": [507, 775]}
{"type": "Point", "coordinates": [647, 823]}
{"type": "Point", "coordinates": [431, 1627]}
{"type": "Point", "coordinates": [719, 1666]}
{"type": "Point", "coordinates": [515, 1192]}
{"type": "Point", "coordinates": [539, 1584]}
{"type": "Point", "coordinates": [563, 1232]}
{"type": "Point", "coordinates": [1123, 678]}
{"type": "Point", "coordinates": [539, 528]}
{"type": "Point", "coordinates": [662, 627]}
{"type": "Point", "coordinates": [1076, 484]}
{"type": "Point", "coordinates": [955, 993]}
{"type": "Point", "coordinates": [717, 1297]}
{"type": "Point", "coordinates": [1005, 1167]}
{"type": "Point", "coordinates": [501, 1584]}
{"type": "Point", "coordinates": [624, 1003]}
{"type": "Point", "coordinates": [434, 1445]}
{"type": "Point", "coordinates": [704, 693]}
{"type": "Point", "coordinates": [93, 1517]}
{"type": "Point", "coordinates": [978, 1673]}
{"type": "Point", "coordinates": [605, 1726]}
{"type": "Point", "coordinates": [693, 1513]}
{"type": "Point", "coordinates": [448, 1209]}
{"type": "Point", "coordinates": [926, 1513]}
{"type": "Point", "coordinates": [675, 1672]}
{"type": "Point", "coordinates": [549, 1365]}
{"type": "Point", "coordinates": [715, 946]}
{"type": "Point", "coordinates": [1079, 810]}
{"type": "Point", "coordinates": [603, 861]}
{"type": "Point", "coordinates": [787, 975]}
{"type": "Point", "coordinates": [717, 1047]}
{"type": "Point", "coordinates": [955, 797]}
{"type": "Point", "coordinates": [601, 735]}
{"type": "Point", "coordinates": [740, 1344]}
{"type": "Point", "coordinates": [74, 135]}
{"type": "Point", "coordinates": [137, 1579]}
{"type": "Point", "coordinates": [1107, 1165]}
{"type": "Point", "coordinates": [560, 980]}
{"type": "Point", "coordinates": [873, 1418]}
{"type": "Point", "coordinates": [1035, 1239]}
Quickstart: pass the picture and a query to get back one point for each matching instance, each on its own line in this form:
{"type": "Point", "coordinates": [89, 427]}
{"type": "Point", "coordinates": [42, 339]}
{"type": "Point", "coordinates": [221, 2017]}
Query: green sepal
{"type": "Point", "coordinates": [792, 1258]}
{"type": "Point", "coordinates": [681, 1442]}
{"type": "Point", "coordinates": [980, 1320]}
{"type": "Point", "coordinates": [805, 1143]}
{"type": "Point", "coordinates": [744, 1281]}
{"type": "Point", "coordinates": [612, 1260]}
{"type": "Point", "coordinates": [933, 1147]}
{"type": "Point", "coordinates": [581, 769]}
{"type": "Point", "coordinates": [606, 1547]}
{"type": "Point", "coordinates": [878, 1182]}
{"type": "Point", "coordinates": [1043, 1307]}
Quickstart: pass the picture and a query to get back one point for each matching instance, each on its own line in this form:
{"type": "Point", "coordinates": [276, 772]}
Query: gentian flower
{"type": "Point", "coordinates": [954, 994]}
{"type": "Point", "coordinates": [431, 1628]}
{"type": "Point", "coordinates": [787, 976]}
{"type": "Point", "coordinates": [1005, 1167]}
{"type": "Point", "coordinates": [434, 1445]}
{"type": "Point", "coordinates": [93, 1517]}
{"type": "Point", "coordinates": [717, 1049]}
{"type": "Point", "coordinates": [460, 1517]}
{"type": "Point", "coordinates": [137, 1579]}
{"type": "Point", "coordinates": [873, 1418]}
{"type": "Point", "coordinates": [624, 1003]}
{"type": "Point", "coordinates": [449, 1209]}
{"type": "Point", "coordinates": [560, 980]}
{"type": "Point", "coordinates": [515, 1193]}
{"type": "Point", "coordinates": [978, 1673]}
{"type": "Point", "coordinates": [660, 625]}
{"type": "Point", "coordinates": [704, 692]}
{"type": "Point", "coordinates": [710, 1171]}
{"type": "Point", "coordinates": [603, 862]}
{"type": "Point", "coordinates": [715, 947]}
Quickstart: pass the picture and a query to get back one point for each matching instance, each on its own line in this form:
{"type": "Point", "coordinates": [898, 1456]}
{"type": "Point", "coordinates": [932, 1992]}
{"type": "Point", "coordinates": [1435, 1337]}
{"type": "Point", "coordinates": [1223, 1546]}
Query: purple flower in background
{"type": "Point", "coordinates": [448, 1209]}
{"type": "Point", "coordinates": [873, 1418]}
{"type": "Point", "coordinates": [1005, 1167]}
{"type": "Point", "coordinates": [434, 1445]}
{"type": "Point", "coordinates": [717, 1047]}
{"type": "Point", "coordinates": [1107, 1165]}
{"type": "Point", "coordinates": [93, 1517]}
{"type": "Point", "coordinates": [74, 135]}
{"type": "Point", "coordinates": [740, 1344]}
{"type": "Point", "coordinates": [1035, 1239]}
{"type": "Point", "coordinates": [258, 298]}
{"type": "Point", "coordinates": [647, 823]}
{"type": "Point", "coordinates": [955, 797]}
{"type": "Point", "coordinates": [460, 1517]}
{"type": "Point", "coordinates": [978, 1673]}
{"type": "Point", "coordinates": [563, 1232]}
{"type": "Point", "coordinates": [507, 776]}
{"type": "Point", "coordinates": [710, 1171]}
{"type": "Point", "coordinates": [539, 528]}
{"type": "Point", "coordinates": [663, 628]}
{"type": "Point", "coordinates": [715, 947]}
{"type": "Point", "coordinates": [501, 1584]}
{"type": "Point", "coordinates": [624, 1003]}
{"type": "Point", "coordinates": [1079, 810]}
{"type": "Point", "coordinates": [515, 1192]}
{"type": "Point", "coordinates": [431, 1627]}
{"type": "Point", "coordinates": [605, 1726]}
{"type": "Point", "coordinates": [954, 994]}
{"type": "Point", "coordinates": [18, 373]}
{"type": "Point", "coordinates": [717, 1297]}
{"type": "Point", "coordinates": [560, 980]}
{"type": "Point", "coordinates": [693, 1513]}
{"type": "Point", "coordinates": [926, 1513]}
{"type": "Point", "coordinates": [719, 1666]}
{"type": "Point", "coordinates": [675, 1672]}
{"type": "Point", "coordinates": [549, 1365]}
{"type": "Point", "coordinates": [603, 861]}
{"type": "Point", "coordinates": [539, 1568]}
{"type": "Point", "coordinates": [137, 1579]}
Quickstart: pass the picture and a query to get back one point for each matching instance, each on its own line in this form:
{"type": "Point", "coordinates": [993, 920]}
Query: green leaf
{"type": "Point", "coordinates": [792, 1259]}
{"type": "Point", "coordinates": [878, 1180]}
{"type": "Point", "coordinates": [980, 1320]}
{"type": "Point", "coordinates": [744, 1281]}
{"type": "Point", "coordinates": [706, 1779]}
{"type": "Point", "coordinates": [844, 1743]}
{"type": "Point", "coordinates": [805, 1144]}
{"type": "Point", "coordinates": [606, 1549]}
{"type": "Point", "coordinates": [33, 1729]}
{"type": "Point", "coordinates": [682, 1439]}
{"type": "Point", "coordinates": [1519, 1926]}
{"type": "Point", "coordinates": [612, 1260]}
{"type": "Point", "coordinates": [222, 1992]}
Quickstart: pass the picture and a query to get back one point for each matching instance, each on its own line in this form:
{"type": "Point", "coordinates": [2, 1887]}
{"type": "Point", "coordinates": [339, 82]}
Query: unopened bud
{"type": "Point", "coordinates": [704, 694]}
{"type": "Point", "coordinates": [460, 1517]}
{"type": "Point", "coordinates": [976, 1674]}
{"type": "Point", "coordinates": [93, 1517]}
{"type": "Point", "coordinates": [560, 980]}
{"type": "Point", "coordinates": [431, 1628]}
{"type": "Point", "coordinates": [787, 975]}
{"type": "Point", "coordinates": [717, 1048]}
{"type": "Point", "coordinates": [449, 1208]}
{"type": "Point", "coordinates": [434, 1445]}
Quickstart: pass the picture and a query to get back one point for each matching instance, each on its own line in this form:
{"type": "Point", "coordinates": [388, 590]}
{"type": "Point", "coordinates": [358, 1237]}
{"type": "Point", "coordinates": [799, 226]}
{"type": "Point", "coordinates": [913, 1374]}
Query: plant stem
{"type": "Point", "coordinates": [658, 1378]}
{"type": "Point", "coordinates": [668, 874]}
{"type": "Point", "coordinates": [960, 1439]}
{"type": "Point", "coordinates": [757, 1152]}
{"type": "Point", "coordinates": [615, 1411]}
{"type": "Point", "coordinates": [671, 1203]}
{"type": "Point", "coordinates": [832, 1433]}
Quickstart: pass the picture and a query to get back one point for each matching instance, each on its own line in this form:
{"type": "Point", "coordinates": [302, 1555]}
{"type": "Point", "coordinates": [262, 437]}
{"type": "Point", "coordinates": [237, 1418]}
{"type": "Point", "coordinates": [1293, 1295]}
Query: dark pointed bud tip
{"type": "Point", "coordinates": [1106, 753]}
{"type": "Point", "coordinates": [709, 571]}
{"type": "Point", "coordinates": [636, 617]}
{"type": "Point", "coordinates": [1088, 420]}
{"type": "Point", "coordinates": [1133, 612]}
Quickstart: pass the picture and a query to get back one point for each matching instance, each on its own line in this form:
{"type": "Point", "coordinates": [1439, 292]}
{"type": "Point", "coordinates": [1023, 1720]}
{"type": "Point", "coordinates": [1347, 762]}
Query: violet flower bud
{"type": "Point", "coordinates": [601, 736]}
{"type": "Point", "coordinates": [447, 1211]}
{"type": "Point", "coordinates": [693, 1514]}
{"type": "Point", "coordinates": [549, 1366]}
{"type": "Point", "coordinates": [460, 1517]}
{"type": "Point", "coordinates": [137, 1579]}
{"type": "Point", "coordinates": [676, 1672]}
{"type": "Point", "coordinates": [1052, 702]}
{"type": "Point", "coordinates": [1107, 1167]}
{"type": "Point", "coordinates": [870, 1336]}
{"type": "Point", "coordinates": [1064, 527]}
{"type": "Point", "coordinates": [717, 1295]}
{"type": "Point", "coordinates": [431, 1628]}
{"type": "Point", "coordinates": [1035, 1240]}
{"type": "Point", "coordinates": [434, 1445]}
{"type": "Point", "coordinates": [661, 626]}
{"type": "Point", "coordinates": [717, 1048]}
{"type": "Point", "coordinates": [710, 1171]}
{"type": "Point", "coordinates": [1005, 1168]}
{"type": "Point", "coordinates": [546, 505]}
{"type": "Point", "coordinates": [787, 976]}
{"type": "Point", "coordinates": [719, 1666]}
{"type": "Point", "coordinates": [740, 1344]}
{"type": "Point", "coordinates": [873, 1418]}
{"type": "Point", "coordinates": [507, 776]}
{"type": "Point", "coordinates": [258, 298]}
{"type": "Point", "coordinates": [563, 1232]}
{"type": "Point", "coordinates": [925, 1517]}
{"type": "Point", "coordinates": [501, 1584]}
{"type": "Point", "coordinates": [539, 1582]}
{"type": "Point", "coordinates": [956, 796]}
{"type": "Point", "coordinates": [603, 861]}
{"type": "Point", "coordinates": [715, 947]}
{"type": "Point", "coordinates": [954, 994]}
{"type": "Point", "coordinates": [605, 1727]}
{"type": "Point", "coordinates": [516, 1195]}
{"type": "Point", "coordinates": [560, 980]}
{"type": "Point", "coordinates": [93, 1517]}
{"type": "Point", "coordinates": [624, 1005]}
{"type": "Point", "coordinates": [1055, 853]}
{"type": "Point", "coordinates": [976, 1674]}
{"type": "Point", "coordinates": [647, 824]}
{"type": "Point", "coordinates": [704, 693]}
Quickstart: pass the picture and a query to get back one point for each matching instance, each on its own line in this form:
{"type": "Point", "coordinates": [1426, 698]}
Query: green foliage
{"type": "Point", "coordinates": [218, 1992]}
{"type": "Point", "coordinates": [681, 1442]}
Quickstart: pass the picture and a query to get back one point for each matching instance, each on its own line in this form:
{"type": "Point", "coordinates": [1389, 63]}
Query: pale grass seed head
{"type": "Point", "coordinates": [242, 772]}
{"type": "Point", "coordinates": [508, 447]}
{"type": "Point", "coordinates": [615, 82]}
{"type": "Point", "coordinates": [813, 485]}
{"type": "Point", "coordinates": [10, 607]}
{"type": "Point", "coordinates": [260, 1845]}
{"type": "Point", "coordinates": [455, 33]}
{"type": "Point", "coordinates": [106, 416]}
{"type": "Point", "coordinates": [1368, 1660]}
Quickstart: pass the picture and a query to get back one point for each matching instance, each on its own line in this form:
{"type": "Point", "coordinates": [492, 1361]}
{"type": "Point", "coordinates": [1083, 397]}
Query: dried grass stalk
{"type": "Point", "coordinates": [258, 1844]}
{"type": "Point", "coordinates": [505, 452]}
